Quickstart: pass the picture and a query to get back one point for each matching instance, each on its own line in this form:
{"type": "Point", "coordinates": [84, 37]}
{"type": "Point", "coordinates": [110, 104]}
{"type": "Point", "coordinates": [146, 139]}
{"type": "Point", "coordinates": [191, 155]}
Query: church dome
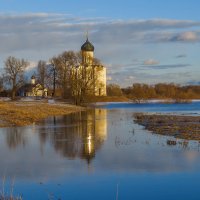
{"type": "Point", "coordinates": [87, 46]}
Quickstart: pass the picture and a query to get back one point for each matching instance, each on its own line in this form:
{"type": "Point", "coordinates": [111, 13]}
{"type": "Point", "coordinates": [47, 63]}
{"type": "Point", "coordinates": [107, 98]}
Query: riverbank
{"type": "Point", "coordinates": [183, 127]}
{"type": "Point", "coordinates": [22, 113]}
{"type": "Point", "coordinates": [97, 99]}
{"type": "Point", "coordinates": [122, 99]}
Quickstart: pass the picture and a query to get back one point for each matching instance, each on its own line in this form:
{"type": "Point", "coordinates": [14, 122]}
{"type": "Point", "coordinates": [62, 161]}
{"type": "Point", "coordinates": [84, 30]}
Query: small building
{"type": "Point", "coordinates": [33, 89]}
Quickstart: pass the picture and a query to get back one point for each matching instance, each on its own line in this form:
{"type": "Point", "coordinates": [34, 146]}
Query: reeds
{"type": "Point", "coordinates": [4, 195]}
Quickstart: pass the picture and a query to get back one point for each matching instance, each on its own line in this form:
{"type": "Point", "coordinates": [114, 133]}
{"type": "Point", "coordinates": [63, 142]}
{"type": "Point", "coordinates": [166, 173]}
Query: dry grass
{"type": "Point", "coordinates": [26, 113]}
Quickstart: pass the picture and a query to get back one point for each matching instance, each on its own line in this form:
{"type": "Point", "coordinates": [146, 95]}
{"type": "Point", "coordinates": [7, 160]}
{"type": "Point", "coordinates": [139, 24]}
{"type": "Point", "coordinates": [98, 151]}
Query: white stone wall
{"type": "Point", "coordinates": [100, 86]}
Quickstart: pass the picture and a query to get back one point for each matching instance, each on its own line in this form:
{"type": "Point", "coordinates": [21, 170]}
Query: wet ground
{"type": "Point", "coordinates": [178, 126]}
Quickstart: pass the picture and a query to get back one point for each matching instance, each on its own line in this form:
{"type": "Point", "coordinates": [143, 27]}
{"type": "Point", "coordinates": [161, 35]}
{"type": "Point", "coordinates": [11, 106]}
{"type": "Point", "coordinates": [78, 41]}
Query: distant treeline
{"type": "Point", "coordinates": [140, 91]}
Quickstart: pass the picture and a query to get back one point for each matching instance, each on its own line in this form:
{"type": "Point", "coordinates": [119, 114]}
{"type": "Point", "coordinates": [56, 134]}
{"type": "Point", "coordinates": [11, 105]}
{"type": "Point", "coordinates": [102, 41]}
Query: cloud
{"type": "Point", "coordinates": [130, 78]}
{"type": "Point", "coordinates": [186, 37]}
{"type": "Point", "coordinates": [45, 31]}
{"type": "Point", "coordinates": [124, 80]}
{"type": "Point", "coordinates": [171, 36]}
{"type": "Point", "coordinates": [181, 56]}
{"type": "Point", "coordinates": [40, 36]}
{"type": "Point", "coordinates": [32, 65]}
{"type": "Point", "coordinates": [151, 62]}
{"type": "Point", "coordinates": [156, 73]}
{"type": "Point", "coordinates": [171, 66]}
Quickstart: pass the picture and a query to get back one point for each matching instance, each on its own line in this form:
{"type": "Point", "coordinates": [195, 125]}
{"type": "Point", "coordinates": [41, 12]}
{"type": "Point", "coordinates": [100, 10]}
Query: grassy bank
{"type": "Point", "coordinates": [26, 113]}
{"type": "Point", "coordinates": [183, 127]}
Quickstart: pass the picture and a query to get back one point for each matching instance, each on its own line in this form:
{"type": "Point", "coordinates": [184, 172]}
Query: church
{"type": "Point", "coordinates": [32, 89]}
{"type": "Point", "coordinates": [89, 76]}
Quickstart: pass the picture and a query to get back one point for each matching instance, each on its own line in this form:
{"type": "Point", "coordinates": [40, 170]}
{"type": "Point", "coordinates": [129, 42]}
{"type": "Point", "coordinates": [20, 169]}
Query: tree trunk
{"type": "Point", "coordinates": [13, 89]}
{"type": "Point", "coordinates": [13, 94]}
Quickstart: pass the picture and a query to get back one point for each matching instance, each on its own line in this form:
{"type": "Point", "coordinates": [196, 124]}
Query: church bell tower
{"type": "Point", "coordinates": [87, 50]}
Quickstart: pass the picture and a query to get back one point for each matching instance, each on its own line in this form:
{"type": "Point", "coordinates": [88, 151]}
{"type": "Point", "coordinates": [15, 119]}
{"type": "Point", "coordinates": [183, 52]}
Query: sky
{"type": "Point", "coordinates": [139, 41]}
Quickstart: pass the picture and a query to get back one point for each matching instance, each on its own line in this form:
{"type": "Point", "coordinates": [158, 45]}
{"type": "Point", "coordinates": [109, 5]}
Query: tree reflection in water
{"type": "Point", "coordinates": [15, 136]}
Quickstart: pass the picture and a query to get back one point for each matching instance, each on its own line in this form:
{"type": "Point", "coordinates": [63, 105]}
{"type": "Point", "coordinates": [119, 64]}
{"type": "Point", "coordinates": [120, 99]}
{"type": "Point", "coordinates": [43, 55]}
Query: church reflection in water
{"type": "Point", "coordinates": [76, 135]}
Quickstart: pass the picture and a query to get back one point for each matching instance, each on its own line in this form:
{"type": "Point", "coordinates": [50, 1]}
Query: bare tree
{"type": "Point", "coordinates": [1, 83]}
{"type": "Point", "coordinates": [62, 66]}
{"type": "Point", "coordinates": [14, 71]}
{"type": "Point", "coordinates": [53, 73]}
{"type": "Point", "coordinates": [83, 81]}
{"type": "Point", "coordinates": [73, 78]}
{"type": "Point", "coordinates": [42, 72]}
{"type": "Point", "coordinates": [114, 90]}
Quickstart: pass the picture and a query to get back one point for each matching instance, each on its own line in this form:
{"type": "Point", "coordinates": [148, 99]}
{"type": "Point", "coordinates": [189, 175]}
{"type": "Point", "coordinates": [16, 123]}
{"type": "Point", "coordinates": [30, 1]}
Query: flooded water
{"type": "Point", "coordinates": [99, 154]}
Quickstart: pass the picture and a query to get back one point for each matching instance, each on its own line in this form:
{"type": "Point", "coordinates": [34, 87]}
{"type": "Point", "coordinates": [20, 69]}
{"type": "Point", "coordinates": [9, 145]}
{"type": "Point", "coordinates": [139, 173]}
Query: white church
{"type": "Point", "coordinates": [90, 72]}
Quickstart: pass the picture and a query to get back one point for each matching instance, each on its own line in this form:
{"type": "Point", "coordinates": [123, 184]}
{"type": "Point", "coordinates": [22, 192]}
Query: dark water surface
{"type": "Point", "coordinates": [100, 154]}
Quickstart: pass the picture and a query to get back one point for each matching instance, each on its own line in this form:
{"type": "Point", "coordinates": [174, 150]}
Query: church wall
{"type": "Point", "coordinates": [100, 86]}
{"type": "Point", "coordinates": [97, 75]}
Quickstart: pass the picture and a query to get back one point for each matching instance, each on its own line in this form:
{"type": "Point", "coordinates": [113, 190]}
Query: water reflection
{"type": "Point", "coordinates": [15, 137]}
{"type": "Point", "coordinates": [76, 135]}
{"type": "Point", "coordinates": [54, 157]}
{"type": "Point", "coordinates": [98, 140]}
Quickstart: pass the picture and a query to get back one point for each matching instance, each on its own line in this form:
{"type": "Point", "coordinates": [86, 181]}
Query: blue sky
{"type": "Point", "coordinates": [146, 41]}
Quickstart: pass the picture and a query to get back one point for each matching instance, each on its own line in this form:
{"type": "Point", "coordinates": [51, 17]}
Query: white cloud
{"type": "Point", "coordinates": [33, 31]}
{"type": "Point", "coordinates": [32, 65]}
{"type": "Point", "coordinates": [130, 78]}
{"type": "Point", "coordinates": [39, 36]}
{"type": "Point", "coordinates": [169, 66]}
{"type": "Point", "coordinates": [189, 36]}
{"type": "Point", "coordinates": [151, 62]}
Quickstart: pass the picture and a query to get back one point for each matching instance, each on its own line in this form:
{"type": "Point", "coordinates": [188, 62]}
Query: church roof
{"type": "Point", "coordinates": [87, 46]}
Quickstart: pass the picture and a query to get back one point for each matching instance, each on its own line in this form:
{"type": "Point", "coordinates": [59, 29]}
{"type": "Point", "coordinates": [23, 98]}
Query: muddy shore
{"type": "Point", "coordinates": [183, 127]}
